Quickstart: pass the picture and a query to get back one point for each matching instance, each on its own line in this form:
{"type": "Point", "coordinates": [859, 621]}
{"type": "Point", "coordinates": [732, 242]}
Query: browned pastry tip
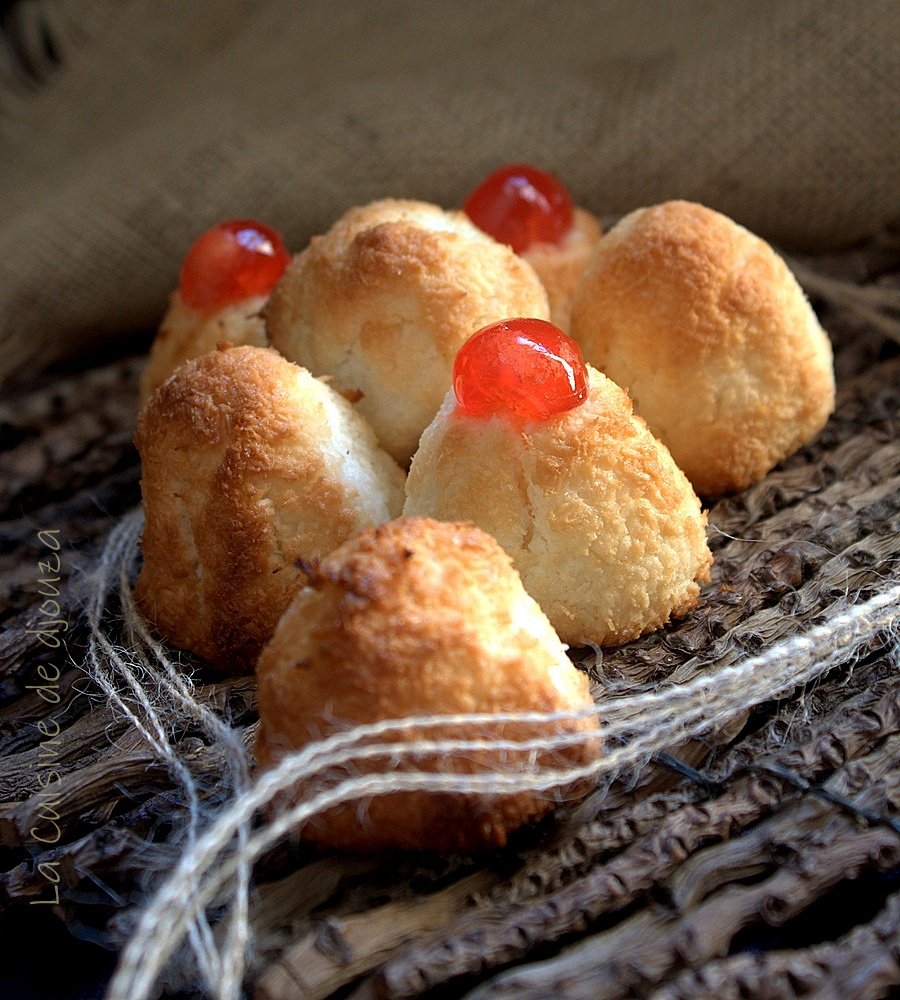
{"type": "Point", "coordinates": [414, 618]}
{"type": "Point", "coordinates": [384, 300]}
{"type": "Point", "coordinates": [248, 464]}
{"type": "Point", "coordinates": [709, 331]}
{"type": "Point", "coordinates": [186, 333]}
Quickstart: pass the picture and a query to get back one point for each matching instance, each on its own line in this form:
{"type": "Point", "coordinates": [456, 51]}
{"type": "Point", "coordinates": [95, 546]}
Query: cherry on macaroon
{"type": "Point", "coordinates": [521, 205]}
{"type": "Point", "coordinates": [234, 260]}
{"type": "Point", "coordinates": [523, 369]}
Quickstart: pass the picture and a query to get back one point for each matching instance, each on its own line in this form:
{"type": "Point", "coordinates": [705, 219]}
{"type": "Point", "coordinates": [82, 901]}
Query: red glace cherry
{"type": "Point", "coordinates": [524, 369]}
{"type": "Point", "coordinates": [521, 205]}
{"type": "Point", "coordinates": [230, 262]}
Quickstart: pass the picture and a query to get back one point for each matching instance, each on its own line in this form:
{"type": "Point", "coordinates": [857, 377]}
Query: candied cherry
{"type": "Point", "coordinates": [523, 369]}
{"type": "Point", "coordinates": [521, 205]}
{"type": "Point", "coordinates": [230, 262]}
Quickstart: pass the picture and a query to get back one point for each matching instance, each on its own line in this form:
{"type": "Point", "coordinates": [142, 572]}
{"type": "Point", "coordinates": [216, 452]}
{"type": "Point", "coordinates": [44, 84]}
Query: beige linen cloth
{"type": "Point", "coordinates": [135, 125]}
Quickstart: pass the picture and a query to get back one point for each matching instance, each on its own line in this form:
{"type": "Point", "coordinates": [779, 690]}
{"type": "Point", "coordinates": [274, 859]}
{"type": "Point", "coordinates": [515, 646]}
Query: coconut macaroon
{"type": "Point", "coordinates": [532, 211]}
{"type": "Point", "coordinates": [561, 266]}
{"type": "Point", "coordinates": [225, 280]}
{"type": "Point", "coordinates": [383, 301]}
{"type": "Point", "coordinates": [709, 331]}
{"type": "Point", "coordinates": [249, 466]}
{"type": "Point", "coordinates": [603, 527]}
{"type": "Point", "coordinates": [420, 618]}
{"type": "Point", "coordinates": [187, 333]}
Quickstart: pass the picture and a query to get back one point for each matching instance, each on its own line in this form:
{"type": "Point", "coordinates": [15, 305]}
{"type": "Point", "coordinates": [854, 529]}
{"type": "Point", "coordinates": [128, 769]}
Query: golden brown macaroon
{"type": "Point", "coordinates": [421, 618]}
{"type": "Point", "coordinates": [187, 333]}
{"type": "Point", "coordinates": [709, 331]}
{"type": "Point", "coordinates": [603, 527]}
{"type": "Point", "coordinates": [560, 266]}
{"type": "Point", "coordinates": [384, 300]}
{"type": "Point", "coordinates": [248, 465]}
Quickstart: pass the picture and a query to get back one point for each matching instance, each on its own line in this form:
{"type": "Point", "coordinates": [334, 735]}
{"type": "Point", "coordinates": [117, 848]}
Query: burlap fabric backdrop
{"type": "Point", "coordinates": [126, 128]}
{"type": "Point", "coordinates": [134, 125]}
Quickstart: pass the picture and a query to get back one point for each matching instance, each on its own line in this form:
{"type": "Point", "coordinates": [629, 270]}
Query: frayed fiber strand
{"type": "Point", "coordinates": [222, 844]}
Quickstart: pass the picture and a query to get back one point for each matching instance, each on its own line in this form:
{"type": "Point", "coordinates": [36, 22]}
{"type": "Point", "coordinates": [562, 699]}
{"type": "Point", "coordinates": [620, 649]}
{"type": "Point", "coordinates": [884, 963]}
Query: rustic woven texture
{"type": "Point", "coordinates": [773, 872]}
{"type": "Point", "coordinates": [126, 126]}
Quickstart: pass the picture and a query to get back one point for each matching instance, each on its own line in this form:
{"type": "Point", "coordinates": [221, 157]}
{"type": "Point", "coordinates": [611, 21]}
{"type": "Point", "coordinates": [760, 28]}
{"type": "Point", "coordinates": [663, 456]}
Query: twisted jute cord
{"type": "Point", "coordinates": [155, 700]}
{"type": "Point", "coordinates": [107, 664]}
{"type": "Point", "coordinates": [227, 984]}
{"type": "Point", "coordinates": [220, 857]}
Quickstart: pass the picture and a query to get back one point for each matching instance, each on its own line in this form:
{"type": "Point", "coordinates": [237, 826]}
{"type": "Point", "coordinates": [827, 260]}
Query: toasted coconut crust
{"type": "Point", "coordinates": [603, 527]}
{"type": "Point", "coordinates": [248, 464]}
{"type": "Point", "coordinates": [384, 300]}
{"type": "Point", "coordinates": [709, 331]}
{"type": "Point", "coordinates": [420, 618]}
{"type": "Point", "coordinates": [560, 268]}
{"type": "Point", "coordinates": [186, 333]}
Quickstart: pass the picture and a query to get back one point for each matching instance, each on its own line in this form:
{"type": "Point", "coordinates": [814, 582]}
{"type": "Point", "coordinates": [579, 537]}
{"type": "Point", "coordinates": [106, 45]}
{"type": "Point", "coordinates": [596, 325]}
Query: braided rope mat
{"type": "Point", "coordinates": [763, 861]}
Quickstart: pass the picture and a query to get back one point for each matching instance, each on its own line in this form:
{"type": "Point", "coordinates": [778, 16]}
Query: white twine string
{"type": "Point", "coordinates": [220, 858]}
{"type": "Point", "coordinates": [156, 699]}
{"type": "Point", "coordinates": [229, 979]}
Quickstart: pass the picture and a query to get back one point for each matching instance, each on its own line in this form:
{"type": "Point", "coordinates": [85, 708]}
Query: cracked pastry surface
{"type": "Point", "coordinates": [603, 527]}
{"type": "Point", "coordinates": [249, 464]}
{"type": "Point", "coordinates": [709, 331]}
{"type": "Point", "coordinates": [413, 618]}
{"type": "Point", "coordinates": [383, 301]}
{"type": "Point", "coordinates": [187, 333]}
